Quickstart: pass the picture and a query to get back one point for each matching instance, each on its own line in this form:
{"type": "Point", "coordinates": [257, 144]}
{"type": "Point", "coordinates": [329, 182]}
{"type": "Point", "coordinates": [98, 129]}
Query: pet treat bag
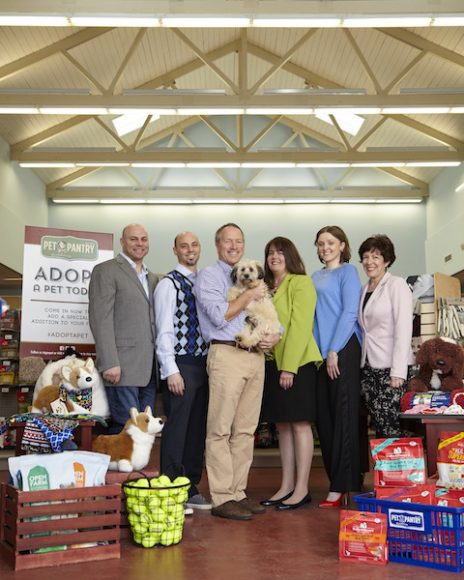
{"type": "Point", "coordinates": [363, 537]}
{"type": "Point", "coordinates": [398, 462]}
{"type": "Point", "coordinates": [450, 460]}
{"type": "Point", "coordinates": [453, 498]}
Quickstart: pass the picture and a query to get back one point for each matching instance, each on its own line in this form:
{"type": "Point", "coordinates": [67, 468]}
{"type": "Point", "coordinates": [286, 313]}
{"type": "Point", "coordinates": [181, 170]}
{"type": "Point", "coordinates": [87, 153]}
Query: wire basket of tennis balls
{"type": "Point", "coordinates": [155, 509]}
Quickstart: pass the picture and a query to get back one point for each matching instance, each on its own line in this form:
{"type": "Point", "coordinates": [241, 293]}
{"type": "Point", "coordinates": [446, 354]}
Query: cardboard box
{"type": "Point", "coordinates": [59, 526]}
{"type": "Point", "coordinates": [427, 308]}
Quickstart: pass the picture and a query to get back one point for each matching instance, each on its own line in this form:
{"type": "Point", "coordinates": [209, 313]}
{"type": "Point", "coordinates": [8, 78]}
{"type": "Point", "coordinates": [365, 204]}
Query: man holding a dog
{"type": "Point", "coordinates": [181, 353]}
{"type": "Point", "coordinates": [122, 320]}
{"type": "Point", "coordinates": [236, 378]}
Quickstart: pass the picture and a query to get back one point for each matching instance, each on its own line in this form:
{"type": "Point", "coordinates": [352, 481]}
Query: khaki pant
{"type": "Point", "coordinates": [236, 380]}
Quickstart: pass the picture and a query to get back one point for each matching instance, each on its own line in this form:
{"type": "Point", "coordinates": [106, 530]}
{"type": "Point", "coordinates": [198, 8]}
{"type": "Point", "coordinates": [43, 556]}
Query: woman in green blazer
{"type": "Point", "coordinates": [290, 384]}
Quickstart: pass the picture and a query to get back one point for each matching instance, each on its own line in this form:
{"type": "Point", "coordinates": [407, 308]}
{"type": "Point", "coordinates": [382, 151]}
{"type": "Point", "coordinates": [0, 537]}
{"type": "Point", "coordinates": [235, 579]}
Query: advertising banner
{"type": "Point", "coordinates": [56, 274]}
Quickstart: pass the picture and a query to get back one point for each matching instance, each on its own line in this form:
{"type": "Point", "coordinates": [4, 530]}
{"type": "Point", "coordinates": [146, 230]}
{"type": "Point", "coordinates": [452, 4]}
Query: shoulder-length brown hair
{"type": "Point", "coordinates": [338, 233]}
{"type": "Point", "coordinates": [293, 261]}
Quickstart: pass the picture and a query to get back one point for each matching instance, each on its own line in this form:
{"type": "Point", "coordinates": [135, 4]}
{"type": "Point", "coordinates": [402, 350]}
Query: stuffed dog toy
{"type": "Point", "coordinates": [261, 314]}
{"type": "Point", "coordinates": [130, 450]}
{"type": "Point", "coordinates": [52, 375]}
{"type": "Point", "coordinates": [441, 366]}
{"type": "Point", "coordinates": [72, 395]}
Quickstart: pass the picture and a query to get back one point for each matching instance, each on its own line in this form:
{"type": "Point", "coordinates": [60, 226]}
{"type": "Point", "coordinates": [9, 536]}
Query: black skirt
{"type": "Point", "coordinates": [295, 404]}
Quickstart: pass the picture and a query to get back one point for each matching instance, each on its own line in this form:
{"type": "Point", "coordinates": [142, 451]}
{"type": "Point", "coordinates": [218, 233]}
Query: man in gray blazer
{"type": "Point", "coordinates": [122, 320]}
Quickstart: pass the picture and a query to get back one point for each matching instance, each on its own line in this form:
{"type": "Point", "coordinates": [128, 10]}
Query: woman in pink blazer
{"type": "Point", "coordinates": [385, 316]}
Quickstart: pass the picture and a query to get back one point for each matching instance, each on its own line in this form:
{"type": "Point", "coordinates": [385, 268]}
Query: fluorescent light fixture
{"type": "Point", "coordinates": [261, 200]}
{"type": "Point", "coordinates": [160, 164]}
{"type": "Point", "coordinates": [323, 165]}
{"type": "Point", "coordinates": [20, 20]}
{"type": "Point", "coordinates": [433, 163]}
{"type": "Point", "coordinates": [352, 200]}
{"type": "Point", "coordinates": [73, 110]}
{"type": "Point", "coordinates": [201, 200]}
{"type": "Point", "coordinates": [459, 187]}
{"type": "Point", "coordinates": [19, 110]}
{"type": "Point", "coordinates": [388, 22]}
{"type": "Point", "coordinates": [130, 122]}
{"type": "Point", "coordinates": [431, 90]}
{"type": "Point", "coordinates": [456, 110]}
{"type": "Point", "coordinates": [38, 164]}
{"type": "Point", "coordinates": [125, 21]}
{"type": "Point", "coordinates": [206, 22]}
{"type": "Point", "coordinates": [400, 200]}
{"type": "Point", "coordinates": [279, 111]}
{"type": "Point", "coordinates": [102, 164]}
{"type": "Point", "coordinates": [212, 165]}
{"type": "Point", "coordinates": [123, 200]}
{"type": "Point", "coordinates": [296, 22]}
{"type": "Point", "coordinates": [448, 21]}
{"type": "Point", "coordinates": [266, 165]}
{"type": "Point", "coordinates": [210, 111]}
{"type": "Point", "coordinates": [77, 200]}
{"type": "Point", "coordinates": [380, 164]}
{"type": "Point", "coordinates": [306, 200]}
{"type": "Point", "coordinates": [415, 110]}
{"type": "Point", "coordinates": [347, 121]}
{"type": "Point", "coordinates": [170, 201]}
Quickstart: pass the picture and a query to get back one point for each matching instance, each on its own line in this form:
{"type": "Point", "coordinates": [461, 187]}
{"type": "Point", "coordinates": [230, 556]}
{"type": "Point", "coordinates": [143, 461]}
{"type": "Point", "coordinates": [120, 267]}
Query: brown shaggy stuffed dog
{"type": "Point", "coordinates": [441, 366]}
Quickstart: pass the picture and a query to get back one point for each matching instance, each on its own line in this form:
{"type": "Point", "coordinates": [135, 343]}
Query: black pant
{"type": "Point", "coordinates": [183, 436]}
{"type": "Point", "coordinates": [338, 419]}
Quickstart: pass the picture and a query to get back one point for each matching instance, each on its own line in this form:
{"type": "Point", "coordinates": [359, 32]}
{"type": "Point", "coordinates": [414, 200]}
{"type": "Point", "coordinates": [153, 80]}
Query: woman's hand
{"type": "Point", "coordinates": [331, 364]}
{"type": "Point", "coordinates": [396, 382]}
{"type": "Point", "coordinates": [286, 380]}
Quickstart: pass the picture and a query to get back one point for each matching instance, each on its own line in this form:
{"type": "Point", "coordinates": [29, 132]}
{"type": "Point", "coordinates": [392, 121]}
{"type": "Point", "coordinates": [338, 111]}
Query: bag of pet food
{"type": "Point", "coordinates": [424, 494]}
{"type": "Point", "coordinates": [450, 460]}
{"type": "Point", "coordinates": [453, 498]}
{"type": "Point", "coordinates": [363, 537]}
{"type": "Point", "coordinates": [398, 462]}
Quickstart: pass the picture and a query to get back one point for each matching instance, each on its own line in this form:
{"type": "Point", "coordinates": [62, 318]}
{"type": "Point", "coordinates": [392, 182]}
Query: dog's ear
{"type": "Point", "coordinates": [134, 414]}
{"type": "Point", "coordinates": [66, 372]}
{"type": "Point", "coordinates": [89, 365]}
{"type": "Point", "coordinates": [148, 411]}
{"type": "Point", "coordinates": [260, 271]}
{"type": "Point", "coordinates": [233, 274]}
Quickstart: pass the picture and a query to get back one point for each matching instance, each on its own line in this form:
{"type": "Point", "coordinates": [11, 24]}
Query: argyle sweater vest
{"type": "Point", "coordinates": [186, 326]}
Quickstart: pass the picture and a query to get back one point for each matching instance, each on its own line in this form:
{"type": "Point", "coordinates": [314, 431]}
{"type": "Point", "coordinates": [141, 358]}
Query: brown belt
{"type": "Point", "coordinates": [235, 345]}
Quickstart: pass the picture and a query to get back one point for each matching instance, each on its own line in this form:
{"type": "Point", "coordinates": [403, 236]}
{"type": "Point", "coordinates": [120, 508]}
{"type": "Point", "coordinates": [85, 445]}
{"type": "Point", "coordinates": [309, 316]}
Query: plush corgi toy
{"type": "Point", "coordinates": [72, 395]}
{"type": "Point", "coordinates": [130, 450]}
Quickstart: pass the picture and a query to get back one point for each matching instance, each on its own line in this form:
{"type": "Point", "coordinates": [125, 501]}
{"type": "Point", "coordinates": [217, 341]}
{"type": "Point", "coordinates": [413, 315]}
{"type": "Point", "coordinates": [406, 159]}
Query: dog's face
{"type": "Point", "coordinates": [78, 378]}
{"type": "Point", "coordinates": [246, 272]}
{"type": "Point", "coordinates": [440, 355]}
{"type": "Point", "coordinates": [145, 421]}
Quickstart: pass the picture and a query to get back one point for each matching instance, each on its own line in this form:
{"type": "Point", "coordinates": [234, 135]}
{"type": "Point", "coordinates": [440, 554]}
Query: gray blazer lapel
{"type": "Point", "coordinates": [129, 271]}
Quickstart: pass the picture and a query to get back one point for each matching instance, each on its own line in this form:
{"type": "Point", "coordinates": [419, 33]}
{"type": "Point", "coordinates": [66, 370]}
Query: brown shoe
{"type": "Point", "coordinates": [253, 506]}
{"type": "Point", "coordinates": [232, 510]}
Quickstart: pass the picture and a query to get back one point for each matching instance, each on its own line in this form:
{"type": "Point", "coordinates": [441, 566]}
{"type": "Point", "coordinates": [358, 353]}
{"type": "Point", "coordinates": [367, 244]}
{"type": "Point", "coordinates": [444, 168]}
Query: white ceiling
{"type": "Point", "coordinates": [45, 66]}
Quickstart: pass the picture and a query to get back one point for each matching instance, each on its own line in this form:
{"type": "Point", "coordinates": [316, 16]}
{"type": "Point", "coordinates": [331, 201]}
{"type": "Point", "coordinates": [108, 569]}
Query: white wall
{"type": "Point", "coordinates": [405, 224]}
{"type": "Point", "coordinates": [22, 202]}
{"type": "Point", "coordinates": [445, 222]}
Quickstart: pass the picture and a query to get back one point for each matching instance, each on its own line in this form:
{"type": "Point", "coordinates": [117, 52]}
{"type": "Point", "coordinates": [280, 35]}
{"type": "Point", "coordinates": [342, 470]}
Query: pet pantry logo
{"type": "Point", "coordinates": [406, 520]}
{"type": "Point", "coordinates": [69, 248]}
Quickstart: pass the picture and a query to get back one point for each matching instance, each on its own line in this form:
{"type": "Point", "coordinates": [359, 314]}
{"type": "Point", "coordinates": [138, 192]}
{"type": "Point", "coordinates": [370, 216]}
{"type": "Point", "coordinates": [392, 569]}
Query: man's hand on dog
{"type": "Point", "coordinates": [268, 341]}
{"type": "Point", "coordinates": [257, 293]}
{"type": "Point", "coordinates": [176, 384]}
{"type": "Point", "coordinates": [112, 375]}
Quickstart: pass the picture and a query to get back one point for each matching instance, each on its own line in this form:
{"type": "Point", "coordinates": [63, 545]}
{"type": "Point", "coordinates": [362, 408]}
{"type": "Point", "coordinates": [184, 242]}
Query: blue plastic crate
{"type": "Point", "coordinates": [421, 535]}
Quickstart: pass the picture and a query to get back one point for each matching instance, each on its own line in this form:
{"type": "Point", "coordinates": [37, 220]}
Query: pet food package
{"type": "Point", "coordinates": [449, 497]}
{"type": "Point", "coordinates": [424, 494]}
{"type": "Point", "coordinates": [58, 470]}
{"type": "Point", "coordinates": [363, 537]}
{"type": "Point", "coordinates": [450, 460]}
{"type": "Point", "coordinates": [398, 462]}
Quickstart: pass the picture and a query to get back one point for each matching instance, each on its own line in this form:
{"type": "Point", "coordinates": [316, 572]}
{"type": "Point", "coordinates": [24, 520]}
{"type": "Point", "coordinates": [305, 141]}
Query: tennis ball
{"type": "Point", "coordinates": [167, 538]}
{"type": "Point", "coordinates": [133, 519]}
{"type": "Point", "coordinates": [139, 528]}
{"type": "Point", "coordinates": [149, 540]}
{"type": "Point", "coordinates": [158, 515]}
{"type": "Point", "coordinates": [177, 511]}
{"type": "Point", "coordinates": [177, 536]}
{"type": "Point", "coordinates": [138, 508]}
{"type": "Point", "coordinates": [164, 481]}
{"type": "Point", "coordinates": [168, 504]}
{"type": "Point", "coordinates": [170, 522]}
{"type": "Point", "coordinates": [182, 496]}
{"type": "Point", "coordinates": [153, 502]}
{"type": "Point", "coordinates": [156, 528]}
{"type": "Point", "coordinates": [181, 480]}
{"type": "Point", "coordinates": [137, 538]}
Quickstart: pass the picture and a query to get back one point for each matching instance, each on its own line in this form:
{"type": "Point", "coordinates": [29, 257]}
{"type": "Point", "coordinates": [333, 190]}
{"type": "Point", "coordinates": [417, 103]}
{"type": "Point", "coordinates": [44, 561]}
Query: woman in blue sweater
{"type": "Point", "coordinates": [339, 338]}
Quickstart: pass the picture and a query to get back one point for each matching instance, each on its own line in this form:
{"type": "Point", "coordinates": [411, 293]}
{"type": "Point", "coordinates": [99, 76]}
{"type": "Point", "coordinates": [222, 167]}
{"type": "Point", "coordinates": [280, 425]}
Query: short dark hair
{"type": "Point", "coordinates": [293, 261]}
{"type": "Point", "coordinates": [338, 233]}
{"type": "Point", "coordinates": [383, 244]}
{"type": "Point", "coordinates": [228, 225]}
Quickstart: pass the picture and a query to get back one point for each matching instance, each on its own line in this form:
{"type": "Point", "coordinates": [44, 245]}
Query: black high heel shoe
{"type": "Point", "coordinates": [294, 506]}
{"type": "Point", "coordinates": [272, 502]}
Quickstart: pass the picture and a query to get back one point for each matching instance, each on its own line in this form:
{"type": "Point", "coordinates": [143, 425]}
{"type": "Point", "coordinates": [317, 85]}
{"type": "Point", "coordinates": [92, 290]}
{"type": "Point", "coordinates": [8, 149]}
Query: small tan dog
{"type": "Point", "coordinates": [130, 450]}
{"type": "Point", "coordinates": [261, 314]}
{"type": "Point", "coordinates": [72, 395]}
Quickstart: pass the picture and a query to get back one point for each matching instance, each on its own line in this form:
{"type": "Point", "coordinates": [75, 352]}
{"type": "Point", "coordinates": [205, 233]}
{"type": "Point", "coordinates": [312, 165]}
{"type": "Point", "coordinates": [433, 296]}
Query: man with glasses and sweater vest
{"type": "Point", "coordinates": [181, 353]}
